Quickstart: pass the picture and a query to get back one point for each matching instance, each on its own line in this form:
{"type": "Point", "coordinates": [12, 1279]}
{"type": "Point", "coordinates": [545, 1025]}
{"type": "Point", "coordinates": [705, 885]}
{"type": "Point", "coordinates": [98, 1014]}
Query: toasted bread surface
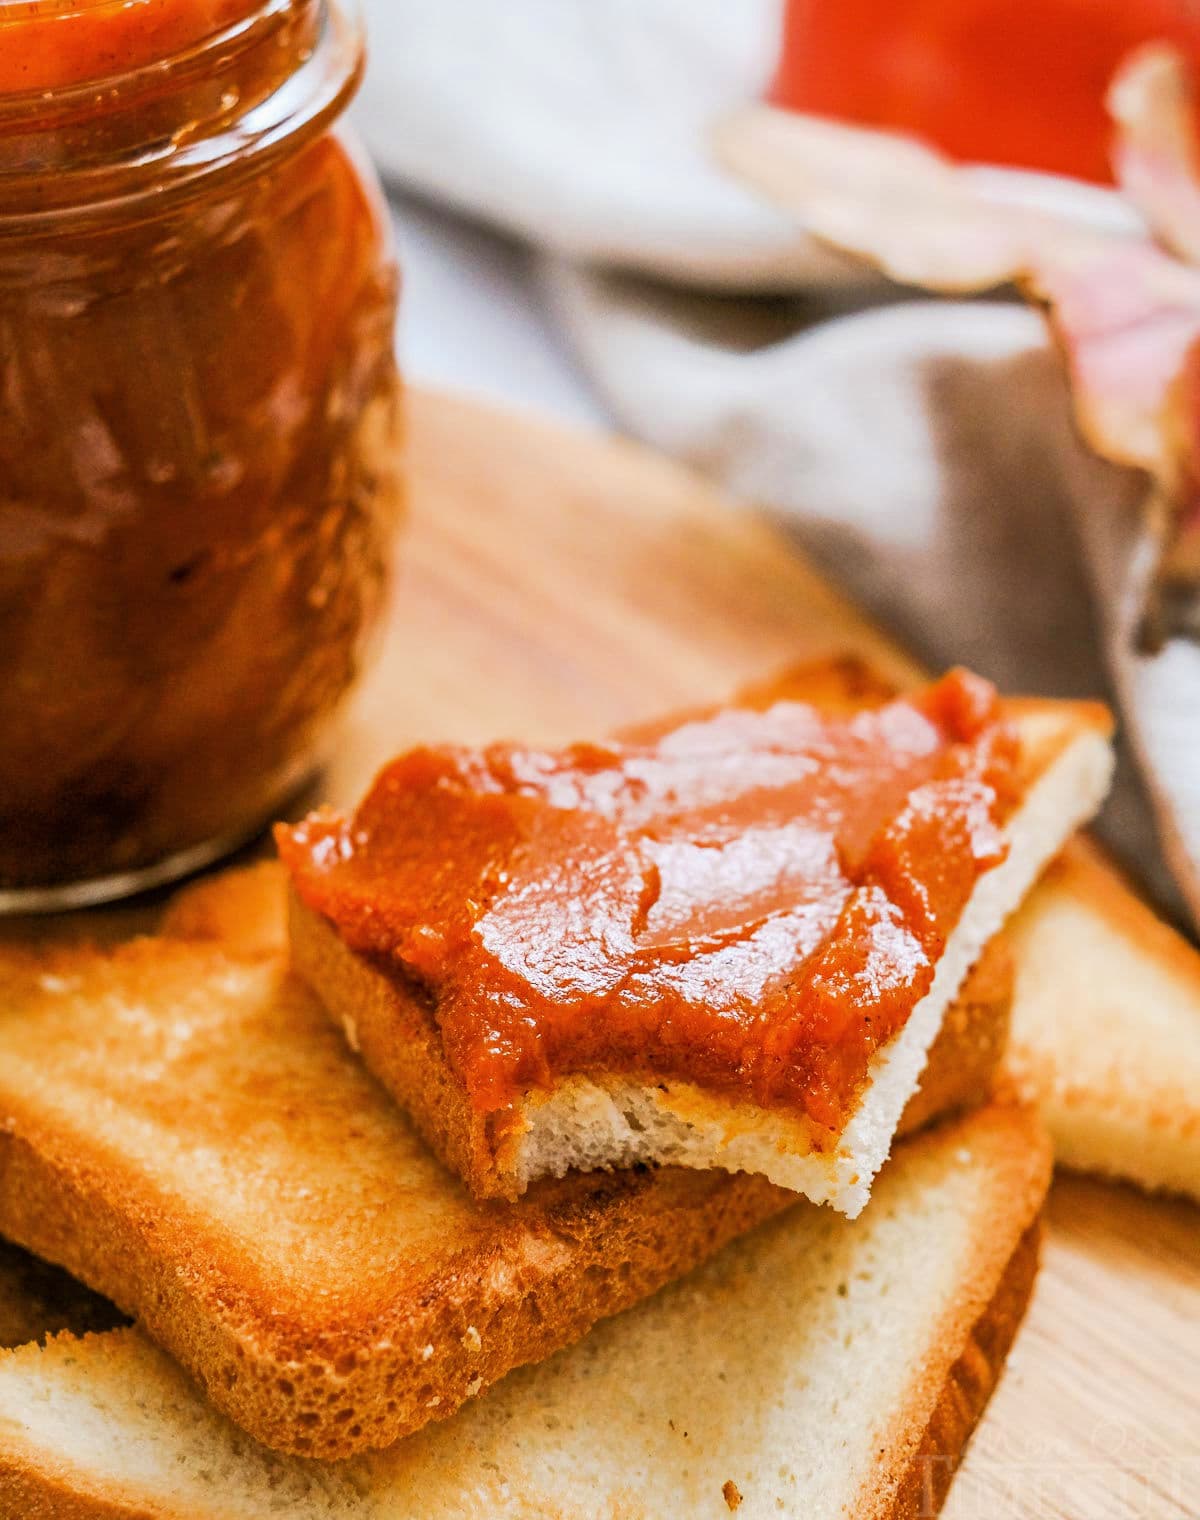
{"type": "Point", "coordinates": [818, 1368]}
{"type": "Point", "coordinates": [592, 1119]}
{"type": "Point", "coordinates": [183, 1130]}
{"type": "Point", "coordinates": [1112, 1058]}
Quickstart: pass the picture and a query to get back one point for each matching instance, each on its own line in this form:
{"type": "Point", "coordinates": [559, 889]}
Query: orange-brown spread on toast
{"type": "Point", "coordinates": [752, 899]}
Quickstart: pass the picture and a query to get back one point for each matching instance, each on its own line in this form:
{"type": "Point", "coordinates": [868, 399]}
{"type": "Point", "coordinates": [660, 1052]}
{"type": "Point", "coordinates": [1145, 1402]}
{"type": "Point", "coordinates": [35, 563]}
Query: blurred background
{"type": "Point", "coordinates": [571, 244]}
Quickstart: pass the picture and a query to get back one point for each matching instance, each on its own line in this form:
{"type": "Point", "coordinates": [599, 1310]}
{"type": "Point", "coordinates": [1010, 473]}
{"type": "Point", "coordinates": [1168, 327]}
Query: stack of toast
{"type": "Point", "coordinates": [636, 1294]}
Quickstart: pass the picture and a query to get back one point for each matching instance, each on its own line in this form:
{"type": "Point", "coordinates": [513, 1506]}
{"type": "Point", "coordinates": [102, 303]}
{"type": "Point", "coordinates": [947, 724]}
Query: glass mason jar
{"type": "Point", "coordinates": [198, 427]}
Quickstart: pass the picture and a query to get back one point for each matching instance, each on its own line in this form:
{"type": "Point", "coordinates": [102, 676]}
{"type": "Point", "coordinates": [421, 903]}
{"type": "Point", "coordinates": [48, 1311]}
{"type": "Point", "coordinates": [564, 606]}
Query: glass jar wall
{"type": "Point", "coordinates": [198, 434]}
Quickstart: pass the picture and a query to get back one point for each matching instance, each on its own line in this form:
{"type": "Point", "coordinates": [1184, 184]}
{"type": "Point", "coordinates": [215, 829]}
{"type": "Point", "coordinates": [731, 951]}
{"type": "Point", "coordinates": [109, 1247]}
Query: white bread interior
{"type": "Point", "coordinates": [608, 1121]}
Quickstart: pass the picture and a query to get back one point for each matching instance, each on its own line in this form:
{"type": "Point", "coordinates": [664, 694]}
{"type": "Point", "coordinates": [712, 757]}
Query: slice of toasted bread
{"type": "Point", "coordinates": [1105, 1028]}
{"type": "Point", "coordinates": [1108, 1045]}
{"type": "Point", "coordinates": [612, 1119]}
{"type": "Point", "coordinates": [243, 909]}
{"type": "Point", "coordinates": [766, 1382]}
{"type": "Point", "coordinates": [247, 909]}
{"type": "Point", "coordinates": [185, 1131]}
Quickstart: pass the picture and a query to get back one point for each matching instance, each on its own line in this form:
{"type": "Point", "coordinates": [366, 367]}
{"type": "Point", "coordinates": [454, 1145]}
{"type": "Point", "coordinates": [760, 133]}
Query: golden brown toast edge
{"type": "Point", "coordinates": [979, 1338]}
{"type": "Point", "coordinates": [920, 1451]}
{"type": "Point", "coordinates": [968, 1387]}
{"type": "Point", "coordinates": [31, 1490]}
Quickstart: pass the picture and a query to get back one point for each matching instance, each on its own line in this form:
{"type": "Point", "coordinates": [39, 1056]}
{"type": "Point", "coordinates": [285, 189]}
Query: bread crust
{"type": "Point", "coordinates": [949, 1394]}
{"type": "Point", "coordinates": [392, 1026]}
{"type": "Point", "coordinates": [967, 1389]}
{"type": "Point", "coordinates": [29, 1491]}
{"type": "Point", "coordinates": [594, 1246]}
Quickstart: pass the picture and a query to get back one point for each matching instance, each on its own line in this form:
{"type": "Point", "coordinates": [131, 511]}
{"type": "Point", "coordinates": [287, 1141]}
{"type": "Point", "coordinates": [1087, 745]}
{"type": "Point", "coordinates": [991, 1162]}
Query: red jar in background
{"type": "Point", "coordinates": [198, 427]}
{"type": "Point", "coordinates": [1008, 82]}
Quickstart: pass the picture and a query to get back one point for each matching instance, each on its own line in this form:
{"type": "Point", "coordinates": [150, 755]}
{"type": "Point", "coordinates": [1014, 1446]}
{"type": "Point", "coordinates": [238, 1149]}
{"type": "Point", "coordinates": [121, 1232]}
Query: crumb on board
{"type": "Point", "coordinates": [731, 1493]}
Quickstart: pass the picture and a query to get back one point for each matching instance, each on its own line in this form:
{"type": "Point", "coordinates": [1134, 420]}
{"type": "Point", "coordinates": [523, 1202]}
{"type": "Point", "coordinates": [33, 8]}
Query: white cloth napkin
{"type": "Point", "coordinates": [580, 125]}
{"type": "Point", "coordinates": [922, 451]}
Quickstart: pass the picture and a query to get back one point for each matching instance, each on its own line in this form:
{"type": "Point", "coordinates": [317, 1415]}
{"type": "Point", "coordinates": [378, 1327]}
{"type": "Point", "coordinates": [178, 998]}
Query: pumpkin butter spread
{"type": "Point", "coordinates": [751, 900]}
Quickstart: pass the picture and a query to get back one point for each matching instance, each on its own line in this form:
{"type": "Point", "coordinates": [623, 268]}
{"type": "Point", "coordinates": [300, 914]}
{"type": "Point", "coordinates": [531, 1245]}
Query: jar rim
{"type": "Point", "coordinates": [234, 136]}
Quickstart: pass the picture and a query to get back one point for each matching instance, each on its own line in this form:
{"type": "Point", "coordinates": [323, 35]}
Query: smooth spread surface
{"type": "Point", "coordinates": [754, 899]}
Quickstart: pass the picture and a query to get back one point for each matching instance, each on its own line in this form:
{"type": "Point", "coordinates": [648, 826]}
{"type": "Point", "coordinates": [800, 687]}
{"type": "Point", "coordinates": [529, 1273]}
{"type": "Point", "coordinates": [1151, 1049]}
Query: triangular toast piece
{"type": "Point", "coordinates": [1106, 1026]}
{"type": "Point", "coordinates": [365, 956]}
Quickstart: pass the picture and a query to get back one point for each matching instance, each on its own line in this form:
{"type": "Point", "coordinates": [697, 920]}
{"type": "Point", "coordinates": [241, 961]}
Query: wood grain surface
{"type": "Point", "coordinates": [555, 585]}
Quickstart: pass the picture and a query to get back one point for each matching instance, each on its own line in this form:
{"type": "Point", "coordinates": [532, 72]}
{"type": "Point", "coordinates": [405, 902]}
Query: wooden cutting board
{"type": "Point", "coordinates": [554, 585]}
